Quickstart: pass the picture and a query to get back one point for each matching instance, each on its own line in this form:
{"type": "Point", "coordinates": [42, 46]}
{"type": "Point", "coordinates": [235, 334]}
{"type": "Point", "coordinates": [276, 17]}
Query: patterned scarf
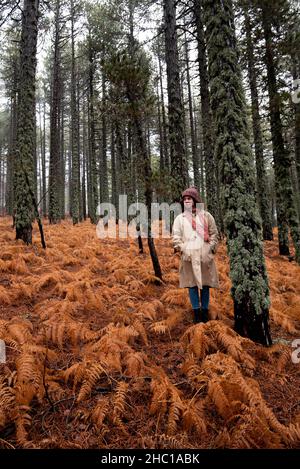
{"type": "Point", "coordinates": [201, 226]}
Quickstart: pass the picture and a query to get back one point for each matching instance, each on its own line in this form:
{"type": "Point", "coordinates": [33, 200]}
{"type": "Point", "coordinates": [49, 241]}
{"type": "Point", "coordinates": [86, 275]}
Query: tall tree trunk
{"type": "Point", "coordinates": [84, 163]}
{"type": "Point", "coordinates": [164, 119]}
{"type": "Point", "coordinates": [114, 185]}
{"type": "Point", "coordinates": [250, 290]}
{"type": "Point", "coordinates": [75, 209]}
{"type": "Point", "coordinates": [286, 211]}
{"type": "Point", "coordinates": [43, 158]}
{"type": "Point", "coordinates": [160, 133]}
{"type": "Point", "coordinates": [78, 103]}
{"type": "Point", "coordinates": [195, 158]}
{"type": "Point", "coordinates": [10, 189]}
{"type": "Point", "coordinates": [62, 178]}
{"type": "Point", "coordinates": [93, 181]}
{"type": "Point", "coordinates": [104, 172]}
{"type": "Point", "coordinates": [148, 194]}
{"type": "Point", "coordinates": [175, 105]}
{"type": "Point", "coordinates": [70, 171]}
{"type": "Point", "coordinates": [261, 175]}
{"type": "Point", "coordinates": [55, 115]}
{"type": "Point", "coordinates": [212, 190]}
{"type": "Point", "coordinates": [199, 142]}
{"type": "Point", "coordinates": [296, 105]}
{"type": "Point", "coordinates": [25, 146]}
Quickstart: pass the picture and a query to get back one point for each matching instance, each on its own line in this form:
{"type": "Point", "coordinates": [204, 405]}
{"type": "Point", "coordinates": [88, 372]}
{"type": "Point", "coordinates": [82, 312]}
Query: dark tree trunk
{"type": "Point", "coordinates": [92, 173]}
{"type": "Point", "coordinates": [286, 211]}
{"type": "Point", "coordinates": [43, 158]}
{"type": "Point", "coordinates": [148, 194]}
{"type": "Point", "coordinates": [250, 289]}
{"type": "Point", "coordinates": [296, 105]}
{"type": "Point", "coordinates": [25, 146]}
{"type": "Point", "coordinates": [212, 190]}
{"type": "Point", "coordinates": [160, 133]}
{"type": "Point", "coordinates": [10, 189]}
{"type": "Point", "coordinates": [103, 171]}
{"type": "Point", "coordinates": [74, 202]}
{"type": "Point", "coordinates": [175, 105]}
{"type": "Point", "coordinates": [55, 115]}
{"type": "Point", "coordinates": [195, 158]}
{"type": "Point", "coordinates": [164, 119]}
{"type": "Point", "coordinates": [62, 173]}
{"type": "Point", "coordinates": [114, 181]}
{"type": "Point", "coordinates": [261, 175]}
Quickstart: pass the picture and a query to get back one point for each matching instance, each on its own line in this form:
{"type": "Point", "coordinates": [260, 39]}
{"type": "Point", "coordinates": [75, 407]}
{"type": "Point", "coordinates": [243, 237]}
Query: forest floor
{"type": "Point", "coordinates": [100, 356]}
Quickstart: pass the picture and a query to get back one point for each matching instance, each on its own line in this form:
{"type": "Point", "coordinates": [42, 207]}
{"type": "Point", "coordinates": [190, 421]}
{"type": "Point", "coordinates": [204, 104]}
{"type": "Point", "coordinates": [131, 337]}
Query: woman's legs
{"type": "Point", "coordinates": [205, 297]}
{"type": "Point", "coordinates": [194, 297]}
{"type": "Point", "coordinates": [204, 303]}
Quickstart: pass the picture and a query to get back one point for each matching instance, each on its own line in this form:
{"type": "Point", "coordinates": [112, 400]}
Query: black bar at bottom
{"type": "Point", "coordinates": [134, 458]}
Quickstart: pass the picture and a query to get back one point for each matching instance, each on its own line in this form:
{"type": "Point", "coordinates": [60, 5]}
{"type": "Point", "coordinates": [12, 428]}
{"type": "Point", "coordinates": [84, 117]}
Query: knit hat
{"type": "Point", "coordinates": [192, 192]}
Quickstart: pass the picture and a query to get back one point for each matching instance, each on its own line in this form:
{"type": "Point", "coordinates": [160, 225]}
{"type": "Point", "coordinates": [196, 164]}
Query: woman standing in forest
{"type": "Point", "coordinates": [195, 236]}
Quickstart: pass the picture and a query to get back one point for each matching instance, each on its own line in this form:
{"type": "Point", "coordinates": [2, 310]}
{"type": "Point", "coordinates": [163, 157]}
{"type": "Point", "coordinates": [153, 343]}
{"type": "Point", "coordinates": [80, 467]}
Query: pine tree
{"type": "Point", "coordinates": [129, 70]}
{"type": "Point", "coordinates": [250, 290]}
{"type": "Point", "coordinates": [75, 186]}
{"type": "Point", "coordinates": [24, 184]}
{"type": "Point", "coordinates": [262, 187]}
{"type": "Point", "coordinates": [211, 173]}
{"type": "Point", "coordinates": [175, 106]}
{"type": "Point", "coordinates": [285, 204]}
{"type": "Point", "coordinates": [55, 119]}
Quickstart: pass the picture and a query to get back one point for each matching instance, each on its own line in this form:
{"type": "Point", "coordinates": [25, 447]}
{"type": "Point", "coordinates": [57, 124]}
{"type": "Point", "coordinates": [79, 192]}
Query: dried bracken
{"type": "Point", "coordinates": [94, 342]}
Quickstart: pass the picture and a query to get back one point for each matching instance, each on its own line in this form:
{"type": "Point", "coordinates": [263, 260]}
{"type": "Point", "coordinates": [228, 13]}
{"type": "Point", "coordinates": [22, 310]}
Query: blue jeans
{"type": "Point", "coordinates": [194, 297]}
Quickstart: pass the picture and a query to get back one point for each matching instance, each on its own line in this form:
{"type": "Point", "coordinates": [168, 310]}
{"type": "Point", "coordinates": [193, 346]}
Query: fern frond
{"type": "Point", "coordinates": [100, 412]}
{"type": "Point", "coordinates": [159, 387]}
{"type": "Point", "coordinates": [284, 322]}
{"type": "Point", "coordinates": [20, 330]}
{"type": "Point", "coordinates": [22, 422]}
{"type": "Point", "coordinates": [218, 397]}
{"type": "Point", "coordinates": [119, 402]}
{"type": "Point", "coordinates": [92, 375]}
{"type": "Point", "coordinates": [139, 328]}
{"type": "Point", "coordinates": [175, 411]}
{"type": "Point", "coordinates": [194, 418]}
{"type": "Point", "coordinates": [195, 341]}
{"type": "Point", "coordinates": [175, 296]}
{"type": "Point", "coordinates": [29, 378]}
{"type": "Point", "coordinates": [135, 364]}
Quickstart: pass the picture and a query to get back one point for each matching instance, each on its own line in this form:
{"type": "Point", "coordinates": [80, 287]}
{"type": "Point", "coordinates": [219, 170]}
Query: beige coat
{"type": "Point", "coordinates": [197, 265]}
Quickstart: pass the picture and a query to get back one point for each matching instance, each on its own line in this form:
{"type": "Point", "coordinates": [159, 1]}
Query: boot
{"type": "Point", "coordinates": [204, 315]}
{"type": "Point", "coordinates": [196, 315]}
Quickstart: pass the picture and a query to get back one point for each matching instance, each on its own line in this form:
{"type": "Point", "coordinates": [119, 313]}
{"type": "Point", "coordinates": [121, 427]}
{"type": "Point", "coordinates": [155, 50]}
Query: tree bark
{"type": "Point", "coordinates": [175, 105]}
{"type": "Point", "coordinates": [286, 211]}
{"type": "Point", "coordinates": [25, 145]}
{"type": "Point", "coordinates": [250, 289]}
{"type": "Point", "coordinates": [211, 182]}
{"type": "Point", "coordinates": [55, 115]}
{"type": "Point", "coordinates": [261, 175]}
{"type": "Point", "coordinates": [75, 208]}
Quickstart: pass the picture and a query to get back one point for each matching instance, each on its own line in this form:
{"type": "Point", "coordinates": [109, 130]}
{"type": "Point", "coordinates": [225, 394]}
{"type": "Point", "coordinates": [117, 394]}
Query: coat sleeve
{"type": "Point", "coordinates": [213, 233]}
{"type": "Point", "coordinates": [177, 234]}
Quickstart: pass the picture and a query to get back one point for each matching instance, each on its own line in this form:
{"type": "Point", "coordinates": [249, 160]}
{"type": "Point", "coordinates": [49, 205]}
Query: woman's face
{"type": "Point", "coordinates": [188, 202]}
